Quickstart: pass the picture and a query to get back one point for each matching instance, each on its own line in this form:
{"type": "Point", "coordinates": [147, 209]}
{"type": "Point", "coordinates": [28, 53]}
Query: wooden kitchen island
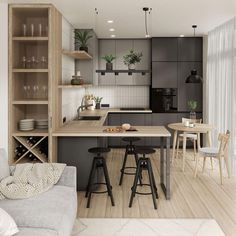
{"type": "Point", "coordinates": [76, 137]}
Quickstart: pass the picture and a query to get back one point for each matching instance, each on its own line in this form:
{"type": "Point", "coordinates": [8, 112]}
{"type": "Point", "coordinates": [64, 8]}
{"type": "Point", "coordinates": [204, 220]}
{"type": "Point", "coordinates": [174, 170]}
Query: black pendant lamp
{"type": "Point", "coordinates": [194, 78]}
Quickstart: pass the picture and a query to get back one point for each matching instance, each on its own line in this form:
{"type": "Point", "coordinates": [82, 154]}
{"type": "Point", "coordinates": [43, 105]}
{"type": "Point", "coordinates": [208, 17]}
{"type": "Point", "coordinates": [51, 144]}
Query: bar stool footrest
{"type": "Point", "coordinates": [143, 193]}
{"type": "Point", "coordinates": [128, 173]}
{"type": "Point", "coordinates": [100, 192]}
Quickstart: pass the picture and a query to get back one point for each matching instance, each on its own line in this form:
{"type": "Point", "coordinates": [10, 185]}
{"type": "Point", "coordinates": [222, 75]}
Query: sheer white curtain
{"type": "Point", "coordinates": [221, 83]}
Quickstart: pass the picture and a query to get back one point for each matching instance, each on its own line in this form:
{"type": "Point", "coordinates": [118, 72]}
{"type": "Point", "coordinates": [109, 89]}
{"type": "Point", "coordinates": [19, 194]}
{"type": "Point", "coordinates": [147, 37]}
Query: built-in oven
{"type": "Point", "coordinates": [164, 100]}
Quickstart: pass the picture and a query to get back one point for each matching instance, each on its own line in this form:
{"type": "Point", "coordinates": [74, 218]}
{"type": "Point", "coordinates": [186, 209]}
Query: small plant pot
{"type": "Point", "coordinates": [193, 115]}
{"type": "Point", "coordinates": [77, 81]}
{"type": "Point", "coordinates": [83, 49]}
{"type": "Point", "coordinates": [109, 66]}
{"type": "Point", "coordinates": [98, 106]}
{"type": "Point", "coordinates": [131, 67]}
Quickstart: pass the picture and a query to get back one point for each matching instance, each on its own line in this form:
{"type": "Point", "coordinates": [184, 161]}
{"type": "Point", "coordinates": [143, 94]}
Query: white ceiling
{"type": "Point", "coordinates": [168, 18]}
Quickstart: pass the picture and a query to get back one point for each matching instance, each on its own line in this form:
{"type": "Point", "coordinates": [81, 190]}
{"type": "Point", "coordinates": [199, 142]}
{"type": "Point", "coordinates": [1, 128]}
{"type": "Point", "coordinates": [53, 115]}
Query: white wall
{"type": "Point", "coordinates": [71, 98]}
{"type": "Point", "coordinates": [4, 75]}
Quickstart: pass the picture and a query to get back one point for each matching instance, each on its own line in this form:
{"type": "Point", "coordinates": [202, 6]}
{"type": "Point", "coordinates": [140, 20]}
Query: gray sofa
{"type": "Point", "coordinates": [48, 214]}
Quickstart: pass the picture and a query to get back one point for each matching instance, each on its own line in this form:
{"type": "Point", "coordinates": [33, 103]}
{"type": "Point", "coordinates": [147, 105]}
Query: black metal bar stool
{"type": "Point", "coordinates": [99, 162]}
{"type": "Point", "coordinates": [130, 150]}
{"type": "Point", "coordinates": [144, 163]}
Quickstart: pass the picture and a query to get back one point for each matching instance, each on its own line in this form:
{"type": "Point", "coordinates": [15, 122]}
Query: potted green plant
{"type": "Point", "coordinates": [81, 39]}
{"type": "Point", "coordinates": [132, 58]}
{"type": "Point", "coordinates": [109, 59]}
{"type": "Point", "coordinates": [97, 102]}
{"type": "Point", "coordinates": [192, 104]}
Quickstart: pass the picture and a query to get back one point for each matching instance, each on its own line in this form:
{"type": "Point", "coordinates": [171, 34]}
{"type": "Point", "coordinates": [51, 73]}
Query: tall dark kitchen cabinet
{"type": "Point", "coordinates": [173, 58]}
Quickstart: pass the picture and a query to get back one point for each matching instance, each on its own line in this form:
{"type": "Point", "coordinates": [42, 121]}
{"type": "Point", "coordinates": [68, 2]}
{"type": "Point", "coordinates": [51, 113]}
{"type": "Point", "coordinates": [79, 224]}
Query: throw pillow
{"type": "Point", "coordinates": [4, 166]}
{"type": "Point", "coordinates": [8, 226]}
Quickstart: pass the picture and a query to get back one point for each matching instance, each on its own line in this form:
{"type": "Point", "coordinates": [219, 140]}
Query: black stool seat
{"type": "Point", "coordinates": [131, 139]}
{"type": "Point", "coordinates": [99, 162]}
{"type": "Point", "coordinates": [99, 150]}
{"type": "Point", "coordinates": [144, 150]}
{"type": "Point", "coordinates": [144, 163]}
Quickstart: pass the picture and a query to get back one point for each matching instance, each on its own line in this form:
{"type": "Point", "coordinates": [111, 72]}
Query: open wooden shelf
{"type": "Point", "coordinates": [129, 72]}
{"type": "Point", "coordinates": [69, 86]}
{"type": "Point", "coordinates": [30, 102]}
{"type": "Point", "coordinates": [35, 132]}
{"type": "Point", "coordinates": [28, 39]}
{"type": "Point", "coordinates": [30, 70]}
{"type": "Point", "coordinates": [82, 55]}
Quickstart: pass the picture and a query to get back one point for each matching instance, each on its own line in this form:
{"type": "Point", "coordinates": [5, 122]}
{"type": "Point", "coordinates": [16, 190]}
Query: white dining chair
{"type": "Point", "coordinates": [220, 153]}
{"type": "Point", "coordinates": [189, 136]}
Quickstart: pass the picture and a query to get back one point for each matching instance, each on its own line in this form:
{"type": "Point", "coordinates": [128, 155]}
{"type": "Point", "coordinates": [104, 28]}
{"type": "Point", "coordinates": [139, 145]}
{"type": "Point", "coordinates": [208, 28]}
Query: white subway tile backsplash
{"type": "Point", "coordinates": [122, 96]}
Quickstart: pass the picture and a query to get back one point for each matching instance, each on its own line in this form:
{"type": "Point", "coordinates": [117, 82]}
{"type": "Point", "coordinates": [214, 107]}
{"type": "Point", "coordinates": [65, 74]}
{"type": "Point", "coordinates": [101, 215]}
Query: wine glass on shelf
{"type": "Point", "coordinates": [44, 62]}
{"type": "Point", "coordinates": [24, 30]}
{"type": "Point", "coordinates": [24, 62]}
{"type": "Point", "coordinates": [34, 62]}
{"type": "Point", "coordinates": [45, 91]}
{"type": "Point", "coordinates": [36, 91]}
{"type": "Point", "coordinates": [27, 91]}
{"type": "Point", "coordinates": [28, 63]}
{"type": "Point", "coordinates": [32, 30]}
{"type": "Point", "coordinates": [40, 30]}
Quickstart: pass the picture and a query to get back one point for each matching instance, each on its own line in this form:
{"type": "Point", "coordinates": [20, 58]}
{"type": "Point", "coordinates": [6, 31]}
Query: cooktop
{"type": "Point", "coordinates": [132, 109]}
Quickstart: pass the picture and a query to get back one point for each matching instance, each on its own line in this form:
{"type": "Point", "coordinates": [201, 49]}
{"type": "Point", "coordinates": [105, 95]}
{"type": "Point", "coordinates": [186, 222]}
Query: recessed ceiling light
{"type": "Point", "coordinates": [112, 29]}
{"type": "Point", "coordinates": [182, 35]}
{"type": "Point", "coordinates": [110, 21]}
{"type": "Point", "coordinates": [113, 36]}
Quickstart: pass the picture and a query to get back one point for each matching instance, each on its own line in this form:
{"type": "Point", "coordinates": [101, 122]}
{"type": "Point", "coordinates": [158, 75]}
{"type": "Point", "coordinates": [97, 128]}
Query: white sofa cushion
{"type": "Point", "coordinates": [4, 166]}
{"type": "Point", "coordinates": [8, 226]}
{"type": "Point", "coordinates": [54, 210]}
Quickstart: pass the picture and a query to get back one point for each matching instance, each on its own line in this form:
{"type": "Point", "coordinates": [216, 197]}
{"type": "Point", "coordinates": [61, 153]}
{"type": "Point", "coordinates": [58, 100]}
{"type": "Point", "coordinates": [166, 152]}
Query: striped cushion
{"type": "Point", "coordinates": [209, 151]}
{"type": "Point", "coordinates": [192, 136]}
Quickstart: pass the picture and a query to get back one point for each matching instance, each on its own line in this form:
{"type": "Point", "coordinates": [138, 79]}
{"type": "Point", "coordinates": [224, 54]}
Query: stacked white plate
{"type": "Point", "coordinates": [41, 124]}
{"type": "Point", "coordinates": [26, 124]}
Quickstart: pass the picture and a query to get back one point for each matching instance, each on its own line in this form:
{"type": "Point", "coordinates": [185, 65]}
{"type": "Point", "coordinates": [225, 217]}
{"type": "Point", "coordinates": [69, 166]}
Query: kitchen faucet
{"type": "Point", "coordinates": [82, 107]}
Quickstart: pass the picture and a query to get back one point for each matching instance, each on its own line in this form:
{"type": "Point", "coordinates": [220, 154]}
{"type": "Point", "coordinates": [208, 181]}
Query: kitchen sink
{"type": "Point", "coordinates": [88, 118]}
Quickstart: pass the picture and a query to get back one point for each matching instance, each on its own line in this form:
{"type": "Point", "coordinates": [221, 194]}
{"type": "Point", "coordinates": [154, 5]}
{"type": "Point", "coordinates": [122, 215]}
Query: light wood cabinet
{"type": "Point", "coordinates": [34, 68]}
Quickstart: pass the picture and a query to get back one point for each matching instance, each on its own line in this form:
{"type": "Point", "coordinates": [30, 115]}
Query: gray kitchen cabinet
{"type": "Point", "coordinates": [144, 46]}
{"type": "Point", "coordinates": [74, 152]}
{"type": "Point", "coordinates": [114, 120]}
{"type": "Point", "coordinates": [188, 91]}
{"type": "Point", "coordinates": [163, 119]}
{"type": "Point", "coordinates": [164, 74]}
{"type": "Point", "coordinates": [122, 48]}
{"type": "Point", "coordinates": [106, 47]}
{"type": "Point", "coordinates": [190, 49]}
{"type": "Point", "coordinates": [164, 49]}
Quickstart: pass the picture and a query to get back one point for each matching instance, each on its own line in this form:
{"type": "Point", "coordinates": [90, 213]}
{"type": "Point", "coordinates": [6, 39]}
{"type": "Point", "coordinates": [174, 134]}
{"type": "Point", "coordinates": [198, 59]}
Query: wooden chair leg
{"type": "Point", "coordinates": [177, 150]}
{"type": "Point", "coordinates": [220, 167]}
{"type": "Point", "coordinates": [204, 163]}
{"type": "Point", "coordinates": [227, 165]}
{"type": "Point", "coordinates": [212, 167]}
{"type": "Point", "coordinates": [196, 166]}
{"type": "Point", "coordinates": [194, 148]}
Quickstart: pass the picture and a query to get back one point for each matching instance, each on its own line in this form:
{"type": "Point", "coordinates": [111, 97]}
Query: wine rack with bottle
{"type": "Point", "coordinates": [34, 68]}
{"type": "Point", "coordinates": [31, 148]}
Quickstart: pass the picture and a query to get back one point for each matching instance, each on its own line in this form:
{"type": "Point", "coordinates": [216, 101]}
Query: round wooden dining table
{"type": "Point", "coordinates": [197, 129]}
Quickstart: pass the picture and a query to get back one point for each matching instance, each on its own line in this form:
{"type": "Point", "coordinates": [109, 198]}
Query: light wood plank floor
{"type": "Point", "coordinates": [202, 197]}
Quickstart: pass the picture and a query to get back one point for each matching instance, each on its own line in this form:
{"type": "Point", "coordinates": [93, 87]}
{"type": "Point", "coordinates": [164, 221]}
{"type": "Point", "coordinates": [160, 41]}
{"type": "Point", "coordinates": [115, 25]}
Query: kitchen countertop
{"type": "Point", "coordinates": [95, 128]}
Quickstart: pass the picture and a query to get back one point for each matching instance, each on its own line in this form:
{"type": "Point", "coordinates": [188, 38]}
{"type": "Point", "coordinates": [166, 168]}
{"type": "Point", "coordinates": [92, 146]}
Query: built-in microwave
{"type": "Point", "coordinates": [164, 100]}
